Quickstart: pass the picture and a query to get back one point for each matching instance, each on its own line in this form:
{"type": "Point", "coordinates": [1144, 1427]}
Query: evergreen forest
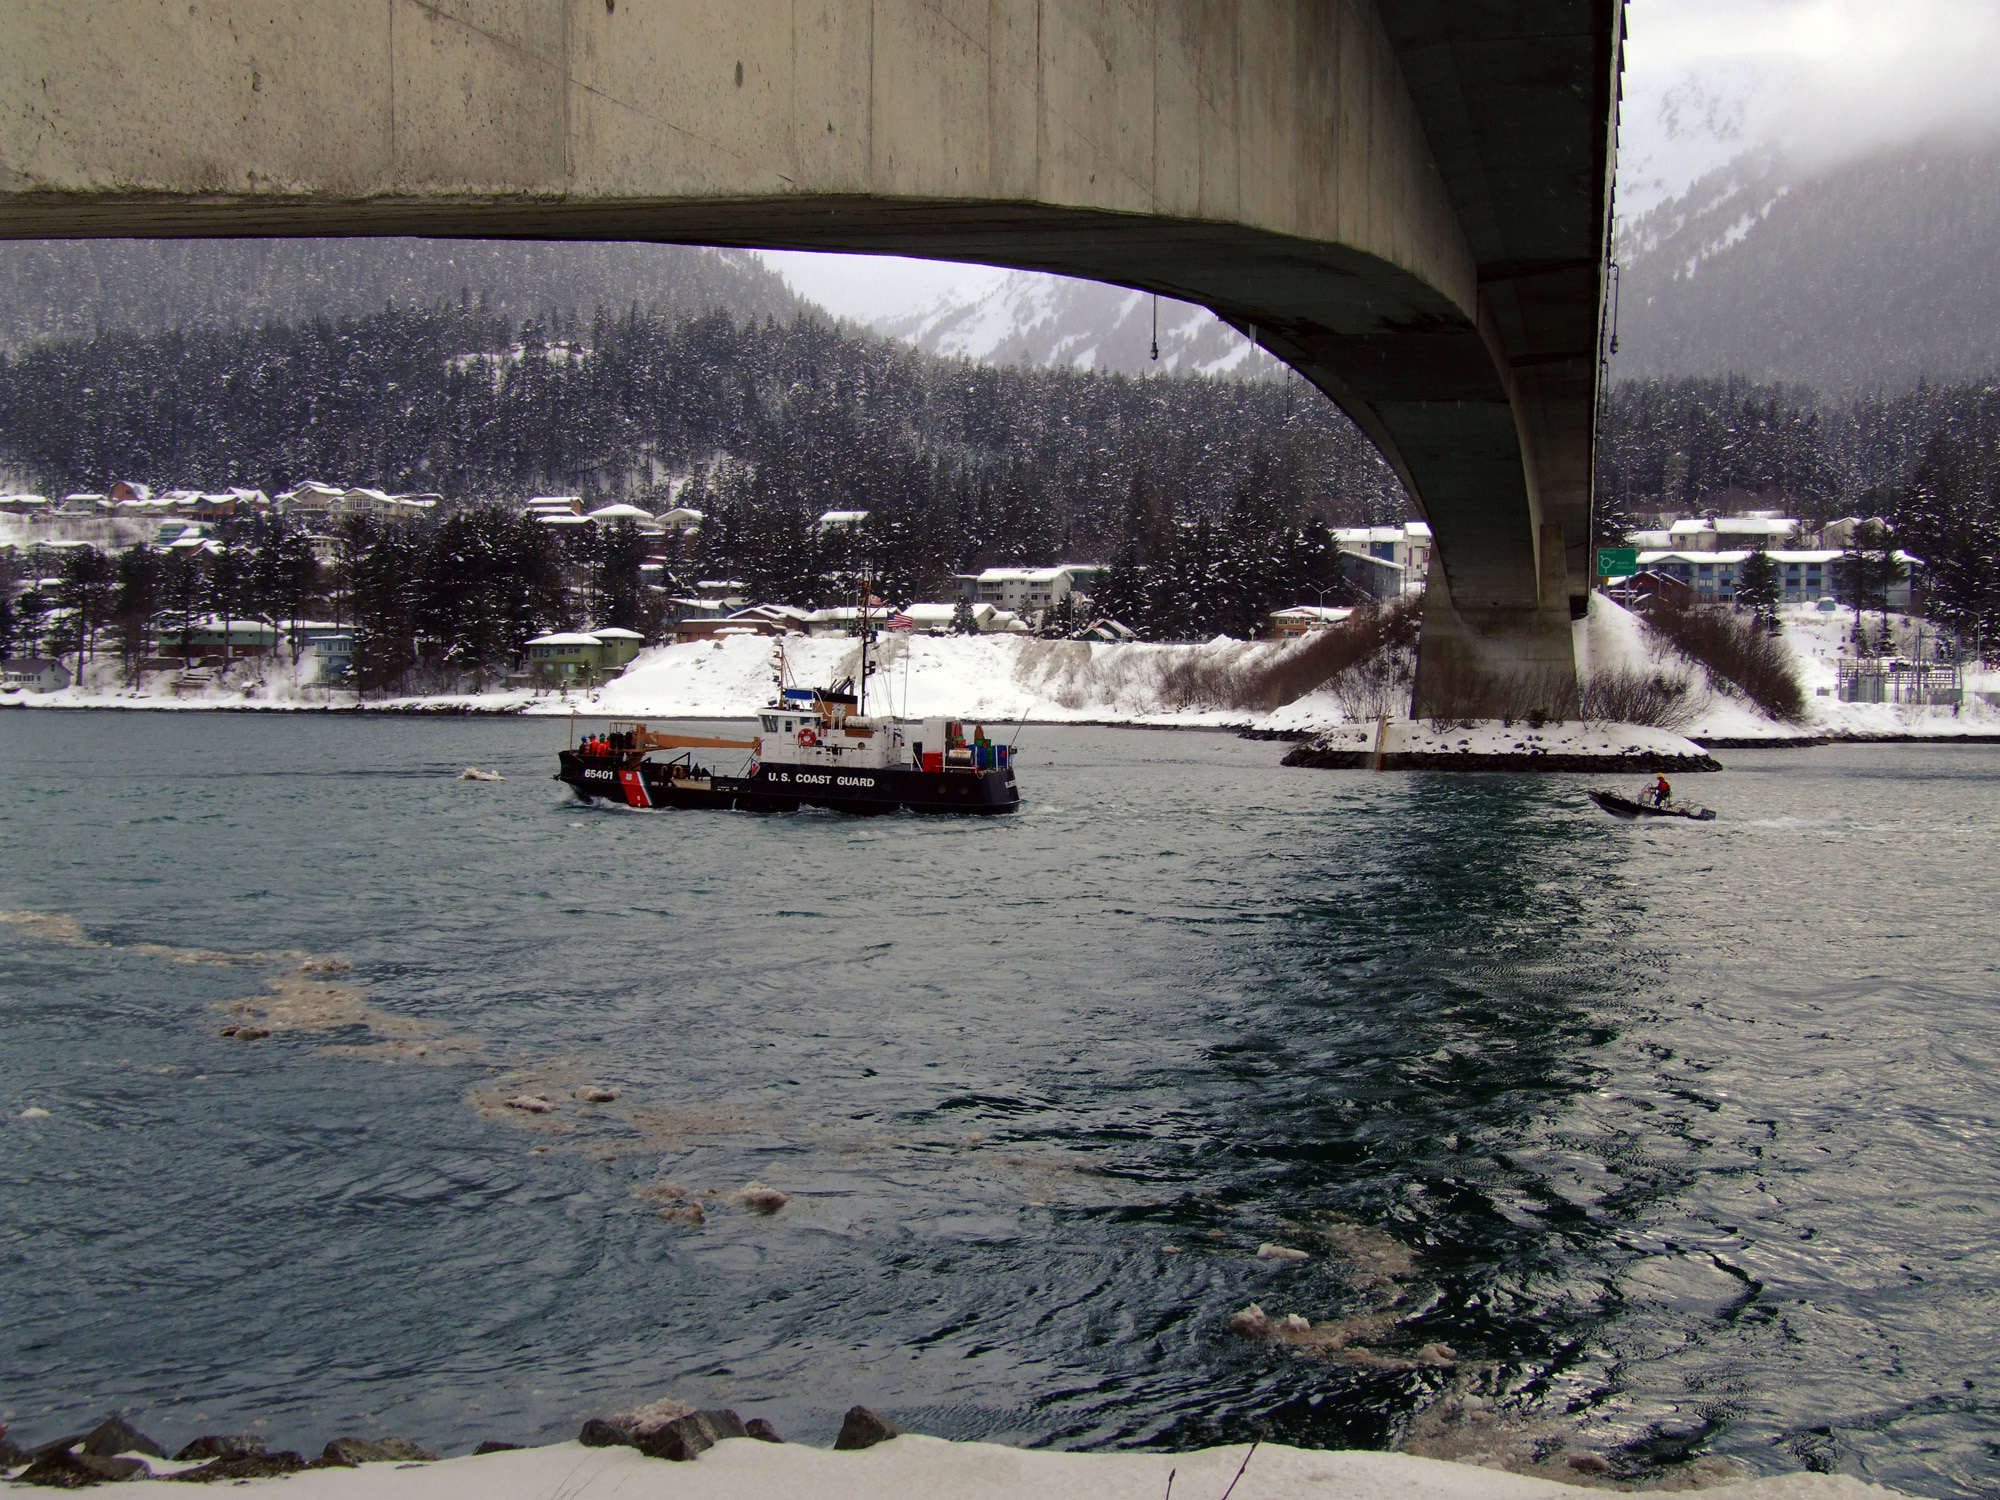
{"type": "Point", "coordinates": [1212, 499]}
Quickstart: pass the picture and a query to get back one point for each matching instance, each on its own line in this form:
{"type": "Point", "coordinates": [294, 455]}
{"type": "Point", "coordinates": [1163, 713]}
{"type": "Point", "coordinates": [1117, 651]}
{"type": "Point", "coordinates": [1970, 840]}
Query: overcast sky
{"type": "Point", "coordinates": [1704, 80]}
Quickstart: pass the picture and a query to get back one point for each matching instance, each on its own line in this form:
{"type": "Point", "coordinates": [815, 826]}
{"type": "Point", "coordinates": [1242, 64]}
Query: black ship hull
{"type": "Point", "coordinates": [787, 788]}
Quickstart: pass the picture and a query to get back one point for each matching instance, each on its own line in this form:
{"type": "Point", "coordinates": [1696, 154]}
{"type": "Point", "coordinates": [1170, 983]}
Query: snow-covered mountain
{"type": "Point", "coordinates": [1048, 321]}
{"type": "Point", "coordinates": [1875, 272]}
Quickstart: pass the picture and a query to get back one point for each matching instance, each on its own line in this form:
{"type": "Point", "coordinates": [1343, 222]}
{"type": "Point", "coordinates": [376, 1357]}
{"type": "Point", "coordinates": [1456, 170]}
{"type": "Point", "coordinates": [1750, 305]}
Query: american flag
{"type": "Point", "coordinates": [899, 621]}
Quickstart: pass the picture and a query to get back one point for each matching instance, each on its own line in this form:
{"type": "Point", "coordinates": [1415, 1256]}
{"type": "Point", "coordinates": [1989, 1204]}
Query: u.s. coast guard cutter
{"type": "Point", "coordinates": [816, 747]}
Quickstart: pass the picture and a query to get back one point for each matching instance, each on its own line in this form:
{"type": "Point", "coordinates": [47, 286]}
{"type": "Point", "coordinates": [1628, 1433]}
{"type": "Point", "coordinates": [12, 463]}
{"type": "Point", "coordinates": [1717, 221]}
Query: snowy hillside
{"type": "Point", "coordinates": [1045, 321]}
{"type": "Point", "coordinates": [1876, 272]}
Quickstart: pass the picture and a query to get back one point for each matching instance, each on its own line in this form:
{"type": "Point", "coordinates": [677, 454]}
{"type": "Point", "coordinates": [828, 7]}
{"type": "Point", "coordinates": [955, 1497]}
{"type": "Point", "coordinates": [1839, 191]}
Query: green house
{"type": "Point", "coordinates": [583, 657]}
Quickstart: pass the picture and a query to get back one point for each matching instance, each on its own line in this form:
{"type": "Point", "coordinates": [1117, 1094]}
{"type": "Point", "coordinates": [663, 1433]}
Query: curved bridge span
{"type": "Point", "coordinates": [1407, 200]}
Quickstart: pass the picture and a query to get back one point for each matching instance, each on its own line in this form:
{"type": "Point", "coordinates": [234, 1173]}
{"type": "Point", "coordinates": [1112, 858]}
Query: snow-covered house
{"type": "Point", "coordinates": [1713, 533]}
{"type": "Point", "coordinates": [1301, 618]}
{"type": "Point", "coordinates": [1803, 576]}
{"type": "Point", "coordinates": [309, 499]}
{"type": "Point", "coordinates": [362, 501]}
{"type": "Point", "coordinates": [583, 655]}
{"type": "Point", "coordinates": [214, 636]}
{"type": "Point", "coordinates": [611, 515]}
{"type": "Point", "coordinates": [680, 518]}
{"type": "Point", "coordinates": [331, 649]}
{"type": "Point", "coordinates": [1408, 546]}
{"type": "Point", "coordinates": [1375, 576]}
{"type": "Point", "coordinates": [222, 505]}
{"type": "Point", "coordinates": [554, 505]}
{"type": "Point", "coordinates": [1018, 589]}
{"type": "Point", "coordinates": [171, 532]}
{"type": "Point", "coordinates": [784, 616]}
{"type": "Point", "coordinates": [34, 674]}
{"type": "Point", "coordinates": [1107, 630]}
{"type": "Point", "coordinates": [927, 618]}
{"type": "Point", "coordinates": [839, 520]}
{"type": "Point", "coordinates": [721, 629]}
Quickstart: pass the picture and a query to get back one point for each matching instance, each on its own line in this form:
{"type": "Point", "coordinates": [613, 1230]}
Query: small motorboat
{"type": "Point", "coordinates": [1643, 806]}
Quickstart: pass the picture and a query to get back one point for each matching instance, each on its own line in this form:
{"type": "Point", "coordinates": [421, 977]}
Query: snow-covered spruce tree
{"type": "Point", "coordinates": [620, 596]}
{"type": "Point", "coordinates": [1949, 515]}
{"type": "Point", "coordinates": [386, 574]}
{"type": "Point", "coordinates": [85, 591]}
{"type": "Point", "coordinates": [1758, 587]}
{"type": "Point", "coordinates": [1864, 574]}
{"type": "Point", "coordinates": [135, 600]}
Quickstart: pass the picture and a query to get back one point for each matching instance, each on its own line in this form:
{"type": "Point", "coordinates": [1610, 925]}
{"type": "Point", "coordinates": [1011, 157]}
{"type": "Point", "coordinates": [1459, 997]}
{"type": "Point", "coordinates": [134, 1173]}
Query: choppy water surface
{"type": "Point", "coordinates": [1679, 1136]}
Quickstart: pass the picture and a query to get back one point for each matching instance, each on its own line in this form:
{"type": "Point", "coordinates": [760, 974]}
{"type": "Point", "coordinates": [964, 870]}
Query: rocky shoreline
{"type": "Point", "coordinates": [114, 1450]}
{"type": "Point", "coordinates": [618, 1458]}
{"type": "Point", "coordinates": [1638, 763]}
{"type": "Point", "coordinates": [1500, 745]}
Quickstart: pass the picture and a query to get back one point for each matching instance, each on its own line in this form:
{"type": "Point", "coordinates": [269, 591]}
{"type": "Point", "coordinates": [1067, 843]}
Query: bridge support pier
{"type": "Point", "coordinates": [1497, 660]}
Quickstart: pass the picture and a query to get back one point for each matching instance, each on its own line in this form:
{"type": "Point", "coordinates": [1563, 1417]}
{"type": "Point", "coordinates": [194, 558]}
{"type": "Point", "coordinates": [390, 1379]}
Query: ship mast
{"type": "Point", "coordinates": [861, 687]}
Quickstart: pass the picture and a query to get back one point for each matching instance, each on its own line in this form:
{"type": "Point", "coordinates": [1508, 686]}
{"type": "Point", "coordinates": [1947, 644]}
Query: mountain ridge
{"type": "Point", "coordinates": [64, 288]}
{"type": "Point", "coordinates": [1048, 322]}
{"type": "Point", "coordinates": [1879, 272]}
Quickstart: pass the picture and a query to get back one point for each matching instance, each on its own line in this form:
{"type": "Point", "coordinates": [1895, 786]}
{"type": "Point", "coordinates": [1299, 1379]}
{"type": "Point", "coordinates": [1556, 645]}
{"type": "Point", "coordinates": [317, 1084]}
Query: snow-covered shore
{"type": "Point", "coordinates": [1004, 678]}
{"type": "Point", "coordinates": [923, 1468]}
{"type": "Point", "coordinates": [1489, 744]}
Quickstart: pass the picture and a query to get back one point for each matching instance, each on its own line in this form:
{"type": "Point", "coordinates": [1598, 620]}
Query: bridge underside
{"type": "Point", "coordinates": [1407, 206]}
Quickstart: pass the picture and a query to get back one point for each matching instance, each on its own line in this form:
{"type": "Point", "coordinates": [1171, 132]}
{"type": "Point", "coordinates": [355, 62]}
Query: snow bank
{"type": "Point", "coordinates": [1612, 639]}
{"type": "Point", "coordinates": [1490, 744]}
{"type": "Point", "coordinates": [921, 1468]}
{"type": "Point", "coordinates": [1003, 678]}
{"type": "Point", "coordinates": [996, 678]}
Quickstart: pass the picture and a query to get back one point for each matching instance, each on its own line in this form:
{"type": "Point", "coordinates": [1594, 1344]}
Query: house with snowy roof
{"type": "Point", "coordinates": [309, 499]}
{"type": "Point", "coordinates": [1803, 575]}
{"type": "Point", "coordinates": [1022, 590]}
{"type": "Point", "coordinates": [1719, 533]}
{"type": "Point", "coordinates": [582, 656]}
{"type": "Point", "coordinates": [33, 674]}
{"type": "Point", "coordinates": [839, 520]}
{"type": "Point", "coordinates": [1300, 618]}
{"type": "Point", "coordinates": [1406, 547]}
{"type": "Point", "coordinates": [611, 515]}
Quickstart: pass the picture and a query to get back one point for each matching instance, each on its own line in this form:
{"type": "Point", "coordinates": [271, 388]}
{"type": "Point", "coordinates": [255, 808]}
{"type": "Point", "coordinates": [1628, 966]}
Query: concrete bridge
{"type": "Point", "coordinates": [1408, 200]}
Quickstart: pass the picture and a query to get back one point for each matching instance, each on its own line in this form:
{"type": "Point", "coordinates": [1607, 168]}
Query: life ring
{"type": "Point", "coordinates": [808, 736]}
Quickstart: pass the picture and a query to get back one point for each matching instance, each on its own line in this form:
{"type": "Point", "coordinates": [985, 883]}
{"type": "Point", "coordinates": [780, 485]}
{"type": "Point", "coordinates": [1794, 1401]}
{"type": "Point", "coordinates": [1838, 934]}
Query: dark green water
{"type": "Point", "coordinates": [1680, 1136]}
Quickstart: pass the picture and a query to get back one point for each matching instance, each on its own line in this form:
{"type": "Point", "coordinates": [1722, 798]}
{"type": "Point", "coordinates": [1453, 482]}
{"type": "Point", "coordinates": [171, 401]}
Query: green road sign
{"type": "Point", "coordinates": [1617, 562]}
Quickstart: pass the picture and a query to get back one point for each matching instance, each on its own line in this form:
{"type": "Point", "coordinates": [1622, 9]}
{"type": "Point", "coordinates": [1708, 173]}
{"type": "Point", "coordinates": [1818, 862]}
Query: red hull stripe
{"type": "Point", "coordinates": [636, 794]}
